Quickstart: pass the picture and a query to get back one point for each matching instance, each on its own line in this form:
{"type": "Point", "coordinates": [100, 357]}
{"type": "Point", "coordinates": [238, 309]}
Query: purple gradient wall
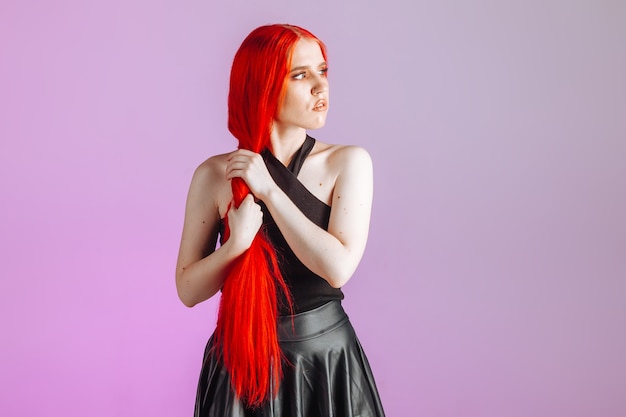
{"type": "Point", "coordinates": [494, 283]}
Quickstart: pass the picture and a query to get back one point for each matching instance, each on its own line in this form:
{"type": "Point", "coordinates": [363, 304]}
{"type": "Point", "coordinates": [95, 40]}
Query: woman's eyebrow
{"type": "Point", "coordinates": [303, 67]}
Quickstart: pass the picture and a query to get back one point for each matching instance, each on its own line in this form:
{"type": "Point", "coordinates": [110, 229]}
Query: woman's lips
{"type": "Point", "coordinates": [321, 105]}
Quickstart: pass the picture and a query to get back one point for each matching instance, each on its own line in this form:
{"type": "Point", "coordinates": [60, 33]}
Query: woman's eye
{"type": "Point", "coordinates": [299, 76]}
{"type": "Point", "coordinates": [324, 72]}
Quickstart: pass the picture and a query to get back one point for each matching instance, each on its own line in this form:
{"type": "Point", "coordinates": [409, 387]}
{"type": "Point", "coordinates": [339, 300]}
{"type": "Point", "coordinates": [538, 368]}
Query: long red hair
{"type": "Point", "coordinates": [246, 327]}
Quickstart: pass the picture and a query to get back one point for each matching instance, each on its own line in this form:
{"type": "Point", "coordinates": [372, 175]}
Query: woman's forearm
{"type": "Point", "coordinates": [202, 279]}
{"type": "Point", "coordinates": [317, 249]}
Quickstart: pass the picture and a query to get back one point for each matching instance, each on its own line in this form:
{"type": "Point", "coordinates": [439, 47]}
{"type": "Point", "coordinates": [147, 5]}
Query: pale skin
{"type": "Point", "coordinates": [338, 175]}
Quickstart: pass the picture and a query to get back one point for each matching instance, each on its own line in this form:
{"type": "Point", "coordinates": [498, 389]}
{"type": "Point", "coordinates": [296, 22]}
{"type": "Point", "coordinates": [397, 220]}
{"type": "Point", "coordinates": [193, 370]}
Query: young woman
{"type": "Point", "coordinates": [292, 217]}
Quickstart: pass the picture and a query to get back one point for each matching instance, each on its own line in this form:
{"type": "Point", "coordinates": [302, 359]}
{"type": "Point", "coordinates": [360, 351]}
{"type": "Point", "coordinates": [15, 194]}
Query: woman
{"type": "Point", "coordinates": [292, 215]}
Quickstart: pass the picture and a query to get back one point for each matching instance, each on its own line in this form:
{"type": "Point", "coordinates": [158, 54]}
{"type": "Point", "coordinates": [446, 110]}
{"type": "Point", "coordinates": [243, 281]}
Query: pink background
{"type": "Point", "coordinates": [494, 283]}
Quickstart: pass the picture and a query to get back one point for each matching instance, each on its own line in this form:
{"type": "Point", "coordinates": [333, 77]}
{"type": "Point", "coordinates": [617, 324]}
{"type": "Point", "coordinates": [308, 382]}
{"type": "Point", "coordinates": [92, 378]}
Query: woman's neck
{"type": "Point", "coordinates": [284, 143]}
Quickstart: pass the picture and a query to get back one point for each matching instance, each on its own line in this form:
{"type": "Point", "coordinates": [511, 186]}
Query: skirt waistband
{"type": "Point", "coordinates": [312, 323]}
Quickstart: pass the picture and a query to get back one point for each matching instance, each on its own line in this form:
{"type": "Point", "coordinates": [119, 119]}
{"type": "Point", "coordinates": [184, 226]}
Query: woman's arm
{"type": "Point", "coordinates": [334, 254]}
{"type": "Point", "coordinates": [201, 270]}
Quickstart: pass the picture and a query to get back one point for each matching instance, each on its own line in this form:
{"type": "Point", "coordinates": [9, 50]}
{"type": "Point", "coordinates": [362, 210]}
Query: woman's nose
{"type": "Point", "coordinates": [321, 86]}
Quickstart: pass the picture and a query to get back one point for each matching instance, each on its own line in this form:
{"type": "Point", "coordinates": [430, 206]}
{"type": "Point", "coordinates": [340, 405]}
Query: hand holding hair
{"type": "Point", "coordinates": [249, 166]}
{"type": "Point", "coordinates": [244, 222]}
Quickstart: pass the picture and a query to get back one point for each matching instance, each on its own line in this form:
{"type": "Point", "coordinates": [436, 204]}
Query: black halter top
{"type": "Point", "coordinates": [308, 290]}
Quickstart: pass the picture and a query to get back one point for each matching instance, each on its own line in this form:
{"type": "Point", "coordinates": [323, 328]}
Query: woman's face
{"type": "Point", "coordinates": [306, 91]}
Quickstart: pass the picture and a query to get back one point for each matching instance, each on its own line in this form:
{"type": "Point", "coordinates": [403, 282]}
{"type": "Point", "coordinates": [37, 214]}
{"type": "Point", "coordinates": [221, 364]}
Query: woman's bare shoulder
{"type": "Point", "coordinates": [212, 168]}
{"type": "Point", "coordinates": [339, 155]}
{"type": "Point", "coordinates": [209, 185]}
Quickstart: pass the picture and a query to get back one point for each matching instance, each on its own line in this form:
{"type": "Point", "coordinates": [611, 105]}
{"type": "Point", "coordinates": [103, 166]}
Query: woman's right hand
{"type": "Point", "coordinates": [244, 222]}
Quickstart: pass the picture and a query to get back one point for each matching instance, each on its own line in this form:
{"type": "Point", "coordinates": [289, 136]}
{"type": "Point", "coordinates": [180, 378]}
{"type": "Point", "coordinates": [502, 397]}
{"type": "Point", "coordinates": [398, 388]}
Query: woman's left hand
{"type": "Point", "coordinates": [250, 167]}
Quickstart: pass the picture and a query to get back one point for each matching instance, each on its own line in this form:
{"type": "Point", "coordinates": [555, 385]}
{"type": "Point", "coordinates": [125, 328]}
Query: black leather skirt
{"type": "Point", "coordinates": [326, 373]}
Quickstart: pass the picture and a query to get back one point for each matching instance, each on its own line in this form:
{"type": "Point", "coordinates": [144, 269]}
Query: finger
{"type": "Point", "coordinates": [234, 173]}
{"type": "Point", "coordinates": [247, 202]}
{"type": "Point", "coordinates": [240, 153]}
{"type": "Point", "coordinates": [237, 174]}
{"type": "Point", "coordinates": [237, 158]}
{"type": "Point", "coordinates": [235, 153]}
{"type": "Point", "coordinates": [248, 199]}
{"type": "Point", "coordinates": [237, 165]}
